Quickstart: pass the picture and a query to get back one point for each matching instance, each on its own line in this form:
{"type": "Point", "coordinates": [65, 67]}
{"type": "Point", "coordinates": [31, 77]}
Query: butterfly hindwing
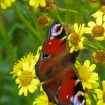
{"type": "Point", "coordinates": [56, 68]}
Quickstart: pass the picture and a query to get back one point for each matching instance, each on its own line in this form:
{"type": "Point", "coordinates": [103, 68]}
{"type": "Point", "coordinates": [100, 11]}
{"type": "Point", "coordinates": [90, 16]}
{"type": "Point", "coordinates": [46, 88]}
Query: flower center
{"type": "Point", "coordinates": [104, 96]}
{"type": "Point", "coordinates": [43, 21]}
{"type": "Point", "coordinates": [97, 31]}
{"type": "Point", "coordinates": [103, 9]}
{"type": "Point", "coordinates": [26, 78]}
{"type": "Point", "coordinates": [74, 39]}
{"type": "Point", "coordinates": [99, 56]}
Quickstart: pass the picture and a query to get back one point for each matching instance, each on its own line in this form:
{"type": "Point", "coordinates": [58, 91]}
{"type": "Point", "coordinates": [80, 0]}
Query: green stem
{"type": "Point", "coordinates": [91, 45]}
{"type": "Point", "coordinates": [95, 45]}
{"type": "Point", "coordinates": [69, 10]}
{"type": "Point", "coordinates": [59, 18]}
{"type": "Point", "coordinates": [99, 45]}
{"type": "Point", "coordinates": [38, 28]}
{"type": "Point", "coordinates": [2, 30]}
{"type": "Point", "coordinates": [67, 15]}
{"type": "Point", "coordinates": [35, 34]}
{"type": "Point", "coordinates": [29, 101]}
{"type": "Point", "coordinates": [54, 12]}
{"type": "Point", "coordinates": [92, 98]}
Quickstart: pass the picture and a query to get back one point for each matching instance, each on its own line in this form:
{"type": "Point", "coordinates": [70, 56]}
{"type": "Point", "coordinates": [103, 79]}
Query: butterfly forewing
{"type": "Point", "coordinates": [56, 68]}
{"type": "Point", "coordinates": [56, 40]}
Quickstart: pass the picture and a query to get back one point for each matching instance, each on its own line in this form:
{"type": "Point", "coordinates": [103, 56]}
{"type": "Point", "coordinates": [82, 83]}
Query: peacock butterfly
{"type": "Point", "coordinates": [56, 68]}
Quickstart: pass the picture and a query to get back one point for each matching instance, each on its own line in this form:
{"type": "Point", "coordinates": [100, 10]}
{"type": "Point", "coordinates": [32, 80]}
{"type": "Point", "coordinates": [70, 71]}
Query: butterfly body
{"type": "Point", "coordinates": [56, 68]}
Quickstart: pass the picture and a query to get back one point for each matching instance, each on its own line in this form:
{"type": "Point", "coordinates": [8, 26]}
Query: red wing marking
{"type": "Point", "coordinates": [54, 46]}
{"type": "Point", "coordinates": [66, 91]}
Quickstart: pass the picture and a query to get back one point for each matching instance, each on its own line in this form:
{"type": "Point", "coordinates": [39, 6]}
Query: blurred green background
{"type": "Point", "coordinates": [15, 42]}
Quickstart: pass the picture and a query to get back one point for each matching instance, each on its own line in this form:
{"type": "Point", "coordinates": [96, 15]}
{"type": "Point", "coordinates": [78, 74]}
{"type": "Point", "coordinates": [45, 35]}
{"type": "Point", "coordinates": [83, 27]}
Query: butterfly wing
{"type": "Point", "coordinates": [55, 44]}
{"type": "Point", "coordinates": [56, 67]}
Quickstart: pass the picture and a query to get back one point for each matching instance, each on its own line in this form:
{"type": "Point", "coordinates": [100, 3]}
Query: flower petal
{"type": "Point", "coordinates": [32, 66]}
{"type": "Point", "coordinates": [87, 30]}
{"type": "Point", "coordinates": [99, 20]}
{"type": "Point", "coordinates": [92, 67]}
{"type": "Point", "coordinates": [31, 88]}
{"type": "Point", "coordinates": [87, 85]}
{"type": "Point", "coordinates": [81, 30]}
{"type": "Point", "coordinates": [31, 2]}
{"type": "Point", "coordinates": [103, 24]}
{"type": "Point", "coordinates": [3, 5]}
{"type": "Point", "coordinates": [103, 83]}
{"type": "Point", "coordinates": [86, 63]}
{"type": "Point", "coordinates": [91, 24]}
{"type": "Point", "coordinates": [25, 90]}
{"type": "Point", "coordinates": [42, 3]}
{"type": "Point", "coordinates": [72, 49]}
{"type": "Point", "coordinates": [80, 45]}
{"type": "Point", "coordinates": [17, 81]}
{"type": "Point", "coordinates": [36, 4]}
{"type": "Point", "coordinates": [21, 91]}
{"type": "Point", "coordinates": [98, 91]}
{"type": "Point", "coordinates": [100, 96]}
{"type": "Point", "coordinates": [100, 102]}
{"type": "Point", "coordinates": [35, 81]}
{"type": "Point", "coordinates": [76, 29]}
{"type": "Point", "coordinates": [25, 65]}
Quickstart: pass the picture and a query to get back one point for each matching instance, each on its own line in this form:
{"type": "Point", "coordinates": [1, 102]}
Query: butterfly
{"type": "Point", "coordinates": [56, 69]}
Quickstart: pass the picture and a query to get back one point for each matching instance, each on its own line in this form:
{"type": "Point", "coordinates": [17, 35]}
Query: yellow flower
{"type": "Point", "coordinates": [97, 30]}
{"type": "Point", "coordinates": [42, 98]}
{"type": "Point", "coordinates": [88, 101]}
{"type": "Point", "coordinates": [76, 39]}
{"type": "Point", "coordinates": [101, 95]}
{"type": "Point", "coordinates": [87, 76]}
{"type": "Point", "coordinates": [25, 71]}
{"type": "Point", "coordinates": [18, 66]}
{"type": "Point", "coordinates": [30, 58]}
{"type": "Point", "coordinates": [27, 79]}
{"type": "Point", "coordinates": [6, 3]}
{"type": "Point", "coordinates": [100, 13]}
{"type": "Point", "coordinates": [37, 3]}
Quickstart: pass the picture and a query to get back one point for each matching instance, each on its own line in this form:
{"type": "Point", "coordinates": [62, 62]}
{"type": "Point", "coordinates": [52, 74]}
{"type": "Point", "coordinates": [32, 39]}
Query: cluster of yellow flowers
{"type": "Point", "coordinates": [96, 30]}
{"type": "Point", "coordinates": [24, 70]}
{"type": "Point", "coordinates": [6, 3]}
{"type": "Point", "coordinates": [76, 41]}
{"type": "Point", "coordinates": [34, 3]}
